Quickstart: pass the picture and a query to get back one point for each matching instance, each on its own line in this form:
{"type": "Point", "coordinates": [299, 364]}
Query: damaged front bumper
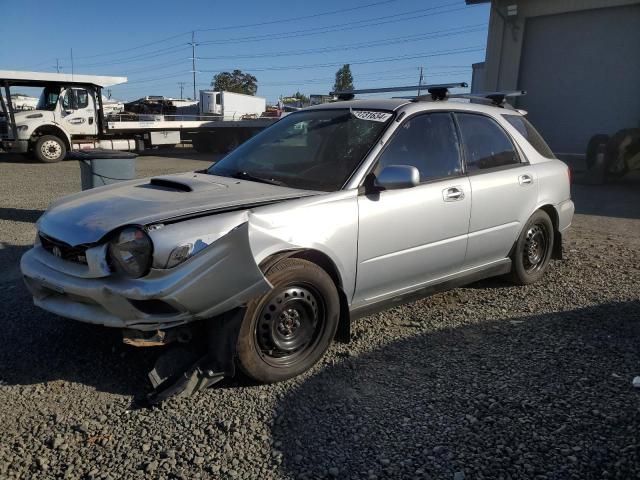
{"type": "Point", "coordinates": [216, 280]}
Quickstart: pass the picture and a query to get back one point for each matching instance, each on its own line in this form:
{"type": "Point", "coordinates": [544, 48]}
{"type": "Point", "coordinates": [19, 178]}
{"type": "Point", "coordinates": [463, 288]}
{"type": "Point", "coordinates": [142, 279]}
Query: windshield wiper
{"type": "Point", "coordinates": [242, 175]}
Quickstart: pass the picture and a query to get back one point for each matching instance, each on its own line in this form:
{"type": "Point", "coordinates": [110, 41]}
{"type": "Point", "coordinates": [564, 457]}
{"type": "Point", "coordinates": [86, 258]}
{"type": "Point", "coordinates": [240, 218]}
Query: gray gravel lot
{"type": "Point", "coordinates": [489, 381]}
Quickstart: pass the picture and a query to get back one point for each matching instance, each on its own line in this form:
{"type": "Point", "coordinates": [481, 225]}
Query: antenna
{"type": "Point", "coordinates": [420, 81]}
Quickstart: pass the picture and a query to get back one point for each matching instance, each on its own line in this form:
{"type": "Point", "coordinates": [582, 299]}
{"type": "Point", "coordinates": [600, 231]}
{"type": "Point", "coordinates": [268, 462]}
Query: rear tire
{"type": "Point", "coordinates": [49, 149]}
{"type": "Point", "coordinates": [533, 250]}
{"type": "Point", "coordinates": [287, 330]}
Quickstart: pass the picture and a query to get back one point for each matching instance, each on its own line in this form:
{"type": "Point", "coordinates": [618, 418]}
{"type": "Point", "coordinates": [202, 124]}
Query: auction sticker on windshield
{"type": "Point", "coordinates": [372, 116]}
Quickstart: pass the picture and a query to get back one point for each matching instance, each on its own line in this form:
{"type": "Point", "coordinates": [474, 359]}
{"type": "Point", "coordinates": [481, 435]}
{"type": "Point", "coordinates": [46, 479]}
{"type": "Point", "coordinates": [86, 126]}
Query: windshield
{"type": "Point", "coordinates": [314, 149]}
{"type": "Point", "coordinates": [48, 98]}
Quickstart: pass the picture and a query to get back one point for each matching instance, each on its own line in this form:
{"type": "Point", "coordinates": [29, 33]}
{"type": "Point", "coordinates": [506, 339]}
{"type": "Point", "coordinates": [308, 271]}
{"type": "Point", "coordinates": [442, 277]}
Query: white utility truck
{"type": "Point", "coordinates": [70, 115]}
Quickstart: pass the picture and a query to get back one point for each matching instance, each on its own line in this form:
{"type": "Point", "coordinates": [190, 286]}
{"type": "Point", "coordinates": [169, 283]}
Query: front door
{"type": "Point", "coordinates": [413, 236]}
{"type": "Point", "coordinates": [505, 188]}
{"type": "Point", "coordinates": [78, 112]}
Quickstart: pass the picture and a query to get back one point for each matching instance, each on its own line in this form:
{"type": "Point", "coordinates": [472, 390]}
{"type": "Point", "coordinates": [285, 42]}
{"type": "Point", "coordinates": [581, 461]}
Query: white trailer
{"type": "Point", "coordinates": [231, 105]}
{"type": "Point", "coordinates": [70, 115]}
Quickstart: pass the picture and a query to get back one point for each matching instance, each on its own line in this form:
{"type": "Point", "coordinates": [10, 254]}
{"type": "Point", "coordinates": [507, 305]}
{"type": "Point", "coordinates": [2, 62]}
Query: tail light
{"type": "Point", "coordinates": [570, 174]}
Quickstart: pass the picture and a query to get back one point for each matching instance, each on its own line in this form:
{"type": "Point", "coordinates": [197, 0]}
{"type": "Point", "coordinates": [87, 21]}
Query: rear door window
{"type": "Point", "coordinates": [486, 143]}
{"type": "Point", "coordinates": [529, 132]}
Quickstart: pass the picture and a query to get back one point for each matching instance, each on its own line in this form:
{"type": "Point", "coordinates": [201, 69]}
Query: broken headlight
{"type": "Point", "coordinates": [130, 252]}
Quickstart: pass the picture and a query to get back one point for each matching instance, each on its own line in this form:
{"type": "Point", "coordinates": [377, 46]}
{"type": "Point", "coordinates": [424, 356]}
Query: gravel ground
{"type": "Point", "coordinates": [489, 381]}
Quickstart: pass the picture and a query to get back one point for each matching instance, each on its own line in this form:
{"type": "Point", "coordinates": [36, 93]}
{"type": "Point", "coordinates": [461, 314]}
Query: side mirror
{"type": "Point", "coordinates": [393, 177]}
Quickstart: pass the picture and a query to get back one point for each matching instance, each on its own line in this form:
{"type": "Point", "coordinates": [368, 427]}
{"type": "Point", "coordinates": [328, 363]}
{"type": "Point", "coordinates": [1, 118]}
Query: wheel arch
{"type": "Point", "coordinates": [328, 265]}
{"type": "Point", "coordinates": [550, 210]}
{"type": "Point", "coordinates": [52, 130]}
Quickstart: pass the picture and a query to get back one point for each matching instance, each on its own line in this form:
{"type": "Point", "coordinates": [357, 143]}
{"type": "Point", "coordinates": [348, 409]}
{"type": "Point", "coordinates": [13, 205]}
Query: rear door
{"type": "Point", "coordinates": [412, 236]}
{"type": "Point", "coordinates": [503, 184]}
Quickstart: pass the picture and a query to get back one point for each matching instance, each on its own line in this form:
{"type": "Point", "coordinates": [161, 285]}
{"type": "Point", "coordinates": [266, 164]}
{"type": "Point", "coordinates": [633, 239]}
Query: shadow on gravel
{"type": "Point", "coordinates": [544, 396]}
{"type": "Point", "coordinates": [20, 214]}
{"type": "Point", "coordinates": [38, 347]}
{"type": "Point", "coordinates": [16, 158]}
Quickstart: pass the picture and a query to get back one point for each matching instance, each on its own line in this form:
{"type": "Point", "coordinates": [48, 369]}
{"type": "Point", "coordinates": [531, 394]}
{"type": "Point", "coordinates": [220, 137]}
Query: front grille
{"type": "Point", "coordinates": [64, 250]}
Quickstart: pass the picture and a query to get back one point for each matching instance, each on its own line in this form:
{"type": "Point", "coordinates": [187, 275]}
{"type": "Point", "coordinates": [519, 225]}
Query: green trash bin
{"type": "Point", "coordinates": [104, 167]}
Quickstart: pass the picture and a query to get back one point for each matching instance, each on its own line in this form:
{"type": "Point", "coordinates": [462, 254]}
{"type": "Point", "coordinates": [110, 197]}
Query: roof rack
{"type": "Point", "coordinates": [438, 91]}
{"type": "Point", "coordinates": [499, 99]}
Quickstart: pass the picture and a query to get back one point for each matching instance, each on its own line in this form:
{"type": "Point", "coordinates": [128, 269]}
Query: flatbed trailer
{"type": "Point", "coordinates": [70, 116]}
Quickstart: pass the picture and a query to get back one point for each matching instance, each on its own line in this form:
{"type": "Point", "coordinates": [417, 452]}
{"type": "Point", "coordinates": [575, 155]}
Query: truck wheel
{"type": "Point", "coordinates": [287, 330]}
{"type": "Point", "coordinates": [533, 249]}
{"type": "Point", "coordinates": [50, 149]}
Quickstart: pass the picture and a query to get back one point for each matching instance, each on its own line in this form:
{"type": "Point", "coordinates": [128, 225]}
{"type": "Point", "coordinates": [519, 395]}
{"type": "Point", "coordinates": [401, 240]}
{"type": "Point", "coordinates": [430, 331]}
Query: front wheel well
{"type": "Point", "coordinates": [323, 261]}
{"type": "Point", "coordinates": [50, 130]}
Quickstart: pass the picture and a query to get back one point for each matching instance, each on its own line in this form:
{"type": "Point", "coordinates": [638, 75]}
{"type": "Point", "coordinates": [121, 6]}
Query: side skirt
{"type": "Point", "coordinates": [496, 269]}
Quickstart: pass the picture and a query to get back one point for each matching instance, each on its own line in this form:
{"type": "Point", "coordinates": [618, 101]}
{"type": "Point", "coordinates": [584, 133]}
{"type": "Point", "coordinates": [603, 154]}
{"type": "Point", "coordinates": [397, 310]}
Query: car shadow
{"type": "Point", "coordinates": [37, 347]}
{"type": "Point", "coordinates": [20, 214]}
{"type": "Point", "coordinates": [543, 396]}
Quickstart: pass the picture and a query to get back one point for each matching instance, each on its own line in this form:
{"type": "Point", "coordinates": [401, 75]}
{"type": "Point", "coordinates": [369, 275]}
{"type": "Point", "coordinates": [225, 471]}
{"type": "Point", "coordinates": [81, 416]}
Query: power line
{"type": "Point", "coordinates": [389, 41]}
{"type": "Point", "coordinates": [294, 19]}
{"type": "Point", "coordinates": [278, 21]}
{"type": "Point", "coordinates": [454, 51]}
{"type": "Point", "coordinates": [421, 13]}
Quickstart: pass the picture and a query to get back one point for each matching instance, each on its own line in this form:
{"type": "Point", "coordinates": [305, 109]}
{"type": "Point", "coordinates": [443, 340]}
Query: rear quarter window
{"type": "Point", "coordinates": [529, 132]}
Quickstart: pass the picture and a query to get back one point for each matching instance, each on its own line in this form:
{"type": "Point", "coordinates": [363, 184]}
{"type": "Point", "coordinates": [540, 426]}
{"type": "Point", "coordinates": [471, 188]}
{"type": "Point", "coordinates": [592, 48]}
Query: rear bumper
{"type": "Point", "coordinates": [15, 146]}
{"type": "Point", "coordinates": [220, 278]}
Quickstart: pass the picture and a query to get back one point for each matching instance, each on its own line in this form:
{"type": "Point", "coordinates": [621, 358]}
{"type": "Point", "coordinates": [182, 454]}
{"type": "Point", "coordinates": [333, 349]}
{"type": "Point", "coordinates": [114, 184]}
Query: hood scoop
{"type": "Point", "coordinates": [170, 184]}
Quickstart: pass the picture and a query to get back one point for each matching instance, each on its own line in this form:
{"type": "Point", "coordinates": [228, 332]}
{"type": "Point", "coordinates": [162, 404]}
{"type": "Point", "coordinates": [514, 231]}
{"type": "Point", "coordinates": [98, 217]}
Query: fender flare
{"type": "Point", "coordinates": [51, 129]}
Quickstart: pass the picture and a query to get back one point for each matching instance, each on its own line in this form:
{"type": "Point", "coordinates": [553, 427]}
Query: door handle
{"type": "Point", "coordinates": [525, 179]}
{"type": "Point", "coordinates": [452, 194]}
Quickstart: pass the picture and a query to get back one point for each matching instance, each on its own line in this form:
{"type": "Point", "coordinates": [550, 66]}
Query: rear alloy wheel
{"type": "Point", "coordinates": [50, 149]}
{"type": "Point", "coordinates": [287, 330]}
{"type": "Point", "coordinates": [533, 249]}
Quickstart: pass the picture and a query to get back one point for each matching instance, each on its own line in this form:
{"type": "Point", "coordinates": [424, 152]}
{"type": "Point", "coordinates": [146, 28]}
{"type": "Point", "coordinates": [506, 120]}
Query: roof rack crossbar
{"type": "Point", "coordinates": [434, 89]}
{"type": "Point", "coordinates": [496, 98]}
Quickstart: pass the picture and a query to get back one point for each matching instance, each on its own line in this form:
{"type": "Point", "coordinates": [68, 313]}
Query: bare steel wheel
{"type": "Point", "coordinates": [288, 324]}
{"type": "Point", "coordinates": [287, 330]}
{"type": "Point", "coordinates": [49, 149]}
{"type": "Point", "coordinates": [533, 249]}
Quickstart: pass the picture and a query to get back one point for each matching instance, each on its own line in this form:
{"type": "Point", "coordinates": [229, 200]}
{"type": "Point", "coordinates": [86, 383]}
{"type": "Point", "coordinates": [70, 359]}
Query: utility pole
{"type": "Point", "coordinates": [57, 66]}
{"type": "Point", "coordinates": [72, 64]}
{"type": "Point", "coordinates": [181, 84]}
{"type": "Point", "coordinates": [420, 81]}
{"type": "Point", "coordinates": [193, 61]}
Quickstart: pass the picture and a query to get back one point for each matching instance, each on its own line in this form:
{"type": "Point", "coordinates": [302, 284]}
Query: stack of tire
{"type": "Point", "coordinates": [613, 157]}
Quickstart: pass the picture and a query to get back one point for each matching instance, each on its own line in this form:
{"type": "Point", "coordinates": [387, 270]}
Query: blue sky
{"type": "Point", "coordinates": [287, 45]}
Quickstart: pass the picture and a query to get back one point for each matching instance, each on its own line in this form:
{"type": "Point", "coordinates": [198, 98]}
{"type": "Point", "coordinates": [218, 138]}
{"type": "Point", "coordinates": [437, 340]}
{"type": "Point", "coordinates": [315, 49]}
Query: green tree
{"type": "Point", "coordinates": [344, 79]}
{"type": "Point", "coordinates": [302, 97]}
{"type": "Point", "coordinates": [235, 81]}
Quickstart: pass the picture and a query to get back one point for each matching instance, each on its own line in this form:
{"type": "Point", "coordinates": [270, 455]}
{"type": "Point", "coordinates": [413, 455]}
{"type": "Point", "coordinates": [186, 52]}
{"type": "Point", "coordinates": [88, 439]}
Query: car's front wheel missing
{"type": "Point", "coordinates": [533, 249]}
{"type": "Point", "coordinates": [287, 330]}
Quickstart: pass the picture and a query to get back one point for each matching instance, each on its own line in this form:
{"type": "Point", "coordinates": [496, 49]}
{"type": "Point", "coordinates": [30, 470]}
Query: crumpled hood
{"type": "Point", "coordinates": [88, 216]}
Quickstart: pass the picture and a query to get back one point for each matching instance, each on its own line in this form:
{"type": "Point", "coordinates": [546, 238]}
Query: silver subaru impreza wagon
{"type": "Point", "coordinates": [331, 213]}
